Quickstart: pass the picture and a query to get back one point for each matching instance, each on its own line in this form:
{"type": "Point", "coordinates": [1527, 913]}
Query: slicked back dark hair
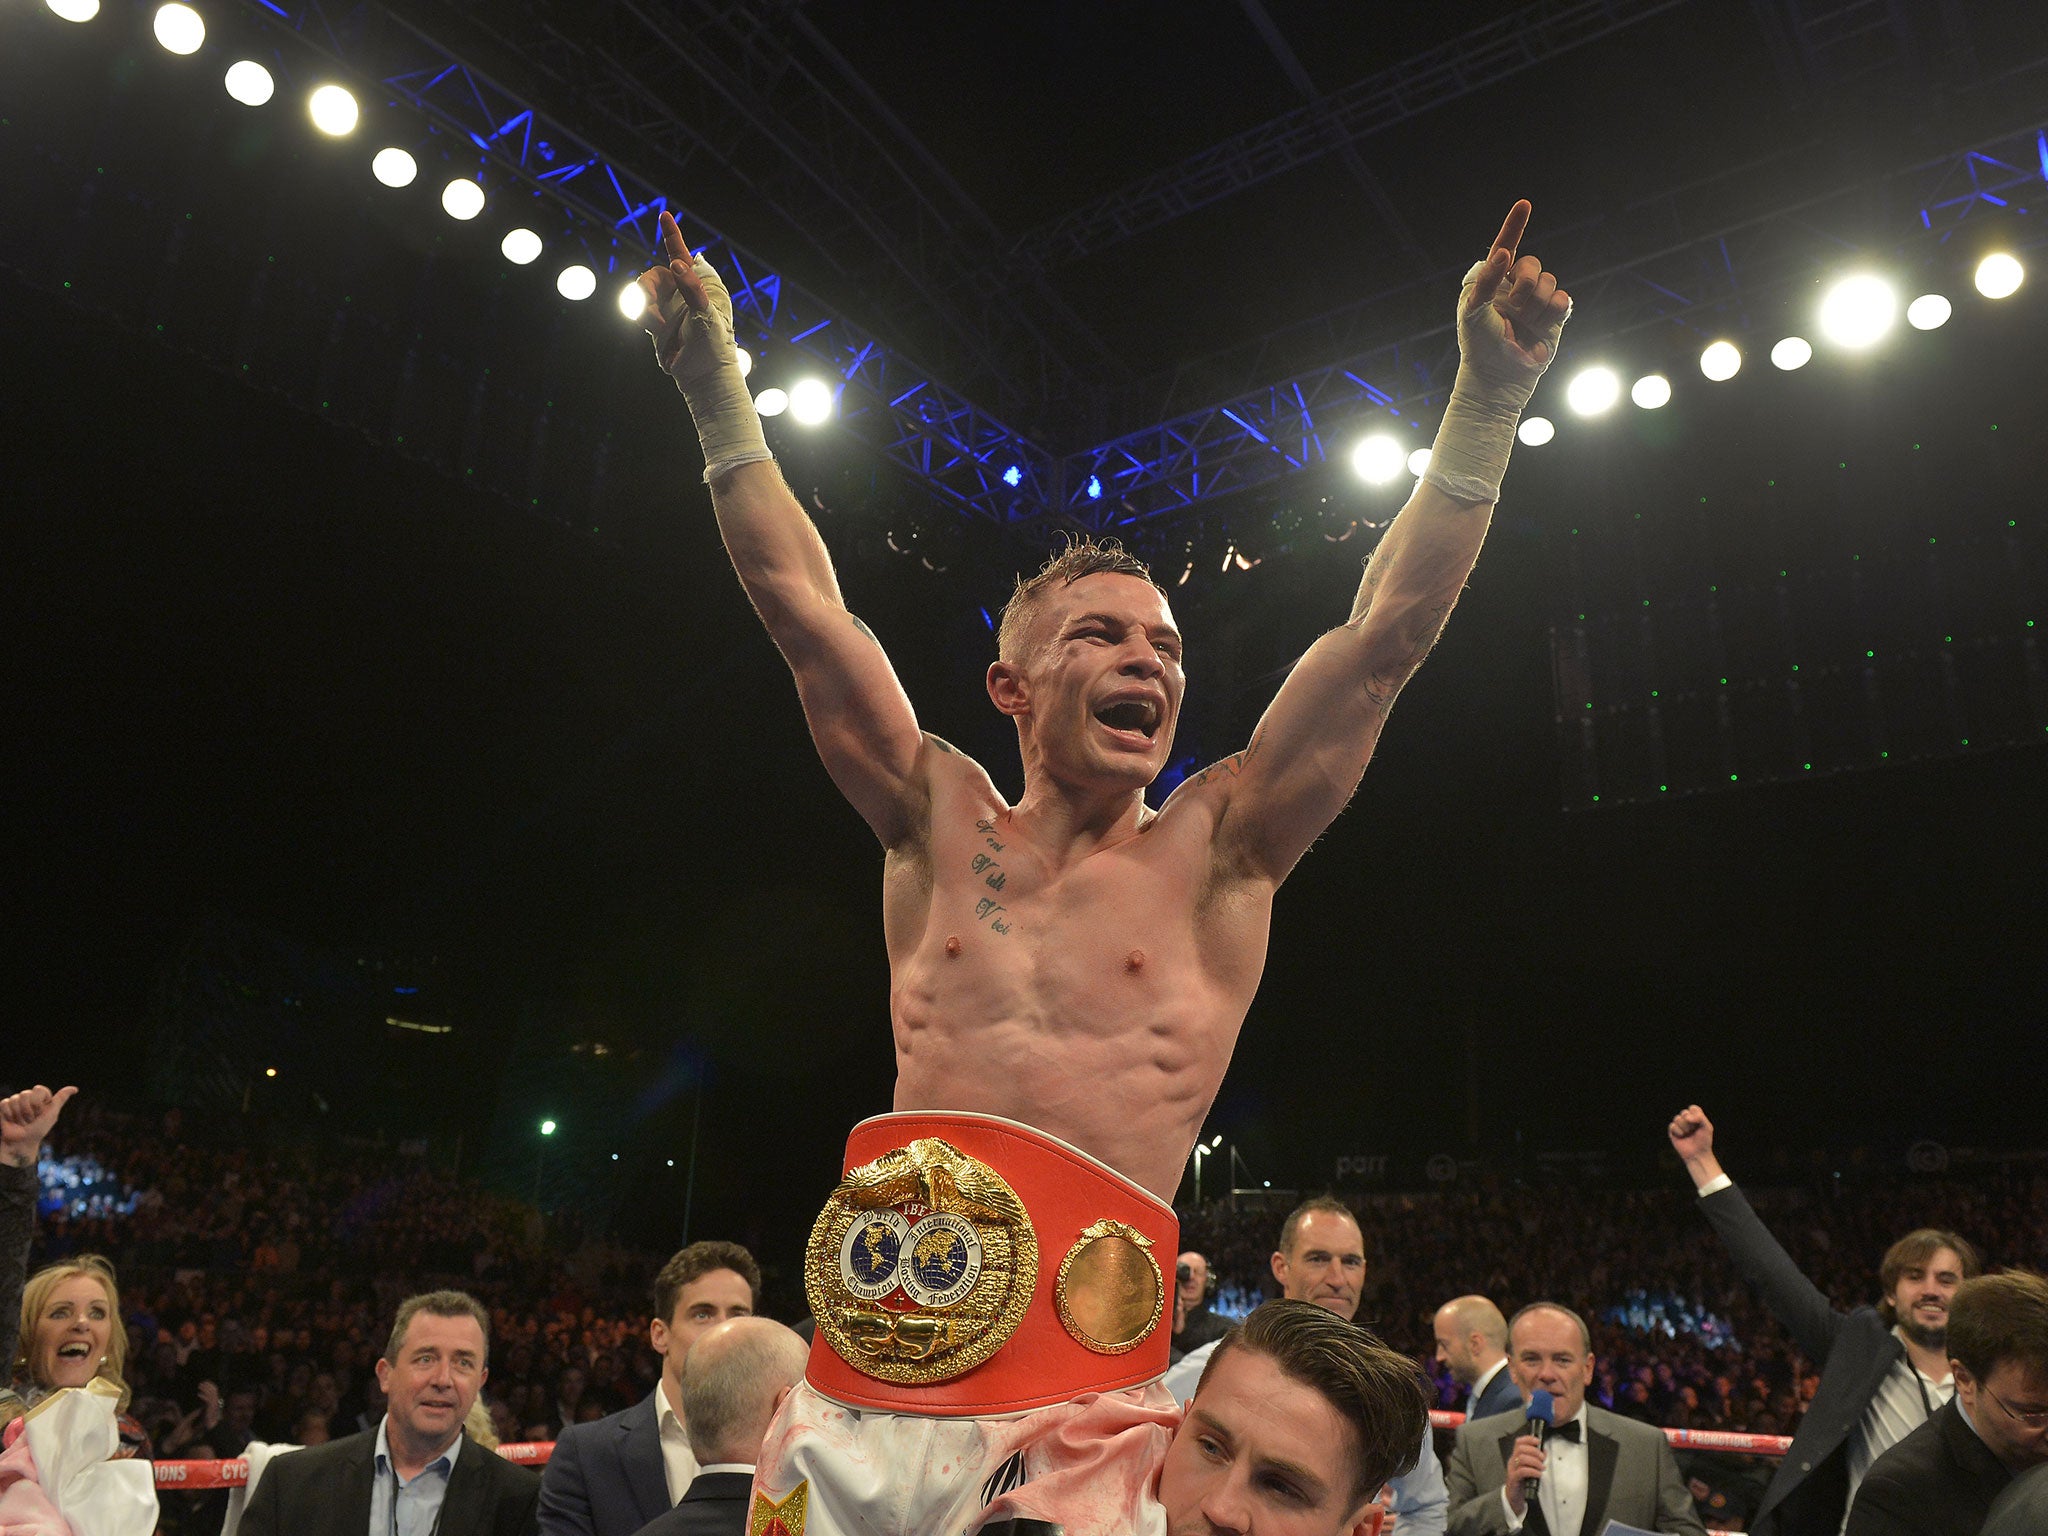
{"type": "Point", "coordinates": [1081, 557]}
{"type": "Point", "coordinates": [1379, 1392]}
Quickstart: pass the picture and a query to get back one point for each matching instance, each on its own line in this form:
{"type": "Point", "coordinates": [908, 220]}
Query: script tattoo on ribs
{"type": "Point", "coordinates": [988, 909]}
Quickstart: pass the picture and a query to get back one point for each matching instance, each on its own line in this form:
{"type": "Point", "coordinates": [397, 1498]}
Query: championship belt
{"type": "Point", "coordinates": [970, 1266]}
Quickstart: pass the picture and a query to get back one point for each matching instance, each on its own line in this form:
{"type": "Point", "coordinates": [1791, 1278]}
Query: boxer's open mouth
{"type": "Point", "coordinates": [1135, 716]}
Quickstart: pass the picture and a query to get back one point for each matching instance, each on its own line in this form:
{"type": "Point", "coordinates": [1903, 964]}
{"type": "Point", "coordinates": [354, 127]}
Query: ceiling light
{"type": "Point", "coordinates": [1652, 392]}
{"type": "Point", "coordinates": [394, 167]}
{"type": "Point", "coordinates": [576, 282]}
{"type": "Point", "coordinates": [1999, 275]}
{"type": "Point", "coordinates": [1378, 458]}
{"type": "Point", "coordinates": [1858, 311]}
{"type": "Point", "coordinates": [520, 246]}
{"type": "Point", "coordinates": [810, 401]}
{"type": "Point", "coordinates": [772, 402]}
{"type": "Point", "coordinates": [1928, 311]}
{"type": "Point", "coordinates": [463, 199]}
{"type": "Point", "coordinates": [179, 28]}
{"type": "Point", "coordinates": [250, 83]}
{"type": "Point", "coordinates": [1536, 431]}
{"type": "Point", "coordinates": [1592, 391]}
{"type": "Point", "coordinates": [1792, 352]}
{"type": "Point", "coordinates": [1721, 361]}
{"type": "Point", "coordinates": [333, 111]}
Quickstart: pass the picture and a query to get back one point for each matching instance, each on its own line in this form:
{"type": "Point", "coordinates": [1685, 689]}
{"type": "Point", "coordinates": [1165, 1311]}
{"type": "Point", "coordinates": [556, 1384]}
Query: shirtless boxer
{"type": "Point", "coordinates": [1069, 973]}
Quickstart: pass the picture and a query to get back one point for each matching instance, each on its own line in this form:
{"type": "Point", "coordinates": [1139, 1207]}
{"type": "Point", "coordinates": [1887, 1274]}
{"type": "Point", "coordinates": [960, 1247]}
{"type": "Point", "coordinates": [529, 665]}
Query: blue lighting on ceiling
{"type": "Point", "coordinates": [1013, 476]}
{"type": "Point", "coordinates": [405, 991]}
{"type": "Point", "coordinates": [1095, 487]}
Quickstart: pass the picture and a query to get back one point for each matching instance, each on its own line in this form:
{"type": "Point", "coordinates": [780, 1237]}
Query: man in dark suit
{"type": "Point", "coordinates": [1884, 1369]}
{"type": "Point", "coordinates": [1942, 1479]}
{"type": "Point", "coordinates": [1595, 1467]}
{"type": "Point", "coordinates": [612, 1477]}
{"type": "Point", "coordinates": [736, 1377]}
{"type": "Point", "coordinates": [1472, 1340]}
{"type": "Point", "coordinates": [416, 1473]}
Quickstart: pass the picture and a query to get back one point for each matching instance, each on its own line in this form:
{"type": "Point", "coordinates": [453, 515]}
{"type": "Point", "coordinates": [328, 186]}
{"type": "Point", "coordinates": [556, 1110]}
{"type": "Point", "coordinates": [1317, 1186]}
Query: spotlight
{"type": "Point", "coordinates": [74, 10]}
{"type": "Point", "coordinates": [1013, 477]}
{"type": "Point", "coordinates": [394, 167]}
{"type": "Point", "coordinates": [1536, 431]}
{"type": "Point", "coordinates": [633, 303]}
{"type": "Point", "coordinates": [1651, 392]}
{"type": "Point", "coordinates": [1095, 487]}
{"type": "Point", "coordinates": [577, 282]}
{"type": "Point", "coordinates": [1593, 391]}
{"type": "Point", "coordinates": [1793, 352]}
{"type": "Point", "coordinates": [1998, 275]}
{"type": "Point", "coordinates": [1721, 361]}
{"type": "Point", "coordinates": [179, 28]}
{"type": "Point", "coordinates": [810, 401]}
{"type": "Point", "coordinates": [1418, 461]}
{"type": "Point", "coordinates": [772, 402]}
{"type": "Point", "coordinates": [1378, 459]}
{"type": "Point", "coordinates": [333, 111]}
{"type": "Point", "coordinates": [1858, 311]}
{"type": "Point", "coordinates": [1928, 311]}
{"type": "Point", "coordinates": [462, 199]}
{"type": "Point", "coordinates": [250, 83]}
{"type": "Point", "coordinates": [745, 359]}
{"type": "Point", "coordinates": [520, 246]}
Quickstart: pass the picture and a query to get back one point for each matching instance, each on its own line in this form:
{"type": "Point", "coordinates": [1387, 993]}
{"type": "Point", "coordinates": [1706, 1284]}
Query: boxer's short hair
{"type": "Point", "coordinates": [1378, 1391]}
{"type": "Point", "coordinates": [1081, 557]}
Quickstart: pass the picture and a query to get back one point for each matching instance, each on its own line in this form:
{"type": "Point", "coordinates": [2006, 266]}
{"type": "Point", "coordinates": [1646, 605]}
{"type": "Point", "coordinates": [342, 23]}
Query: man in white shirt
{"type": "Point", "coordinates": [612, 1477]}
{"type": "Point", "coordinates": [737, 1375]}
{"type": "Point", "coordinates": [1884, 1369]}
{"type": "Point", "coordinates": [1472, 1340]}
{"type": "Point", "coordinates": [1321, 1260]}
{"type": "Point", "coordinates": [1593, 1467]}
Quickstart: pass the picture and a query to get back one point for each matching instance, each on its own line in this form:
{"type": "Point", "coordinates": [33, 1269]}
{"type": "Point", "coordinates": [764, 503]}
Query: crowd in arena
{"type": "Point", "coordinates": [256, 1290]}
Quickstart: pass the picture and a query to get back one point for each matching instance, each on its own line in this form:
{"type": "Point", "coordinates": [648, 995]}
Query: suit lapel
{"type": "Point", "coordinates": [640, 1455]}
{"type": "Point", "coordinates": [352, 1510]}
{"type": "Point", "coordinates": [1603, 1455]}
{"type": "Point", "coordinates": [462, 1507]}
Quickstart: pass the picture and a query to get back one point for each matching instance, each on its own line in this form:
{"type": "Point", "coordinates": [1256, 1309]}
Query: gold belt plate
{"type": "Point", "coordinates": [1110, 1292]}
{"type": "Point", "coordinates": [922, 1264]}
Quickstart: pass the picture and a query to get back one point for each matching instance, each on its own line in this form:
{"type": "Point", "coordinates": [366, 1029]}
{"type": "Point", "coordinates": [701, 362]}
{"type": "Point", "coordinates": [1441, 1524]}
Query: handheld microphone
{"type": "Point", "coordinates": [1542, 1419]}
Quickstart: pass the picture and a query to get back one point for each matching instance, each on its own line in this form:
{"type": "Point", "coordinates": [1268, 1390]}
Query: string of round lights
{"type": "Point", "coordinates": [336, 112]}
{"type": "Point", "coordinates": [1855, 314]}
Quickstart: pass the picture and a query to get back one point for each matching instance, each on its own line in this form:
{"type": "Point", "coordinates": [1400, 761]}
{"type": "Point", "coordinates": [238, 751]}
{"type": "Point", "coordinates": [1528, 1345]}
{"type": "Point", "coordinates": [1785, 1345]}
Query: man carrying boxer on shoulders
{"type": "Point", "coordinates": [1069, 973]}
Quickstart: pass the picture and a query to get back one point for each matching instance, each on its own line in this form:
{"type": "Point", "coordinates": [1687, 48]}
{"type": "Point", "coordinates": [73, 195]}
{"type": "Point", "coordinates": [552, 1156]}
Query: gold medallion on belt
{"type": "Point", "coordinates": [922, 1264]}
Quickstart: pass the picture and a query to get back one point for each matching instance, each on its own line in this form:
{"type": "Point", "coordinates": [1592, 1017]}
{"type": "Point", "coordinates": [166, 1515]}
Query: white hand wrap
{"type": "Point", "coordinates": [706, 369]}
{"type": "Point", "coordinates": [1470, 458]}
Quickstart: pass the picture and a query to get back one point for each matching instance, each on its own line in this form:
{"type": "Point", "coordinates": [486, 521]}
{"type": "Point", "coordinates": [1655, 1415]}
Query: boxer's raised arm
{"type": "Point", "coordinates": [1310, 749]}
{"type": "Point", "coordinates": [859, 715]}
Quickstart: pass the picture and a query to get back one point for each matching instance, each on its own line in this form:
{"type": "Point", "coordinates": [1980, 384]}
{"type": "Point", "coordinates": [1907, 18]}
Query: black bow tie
{"type": "Point", "coordinates": [1565, 1431]}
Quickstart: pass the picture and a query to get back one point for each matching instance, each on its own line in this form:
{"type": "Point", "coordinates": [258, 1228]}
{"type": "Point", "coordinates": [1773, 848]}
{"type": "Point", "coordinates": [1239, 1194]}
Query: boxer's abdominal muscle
{"type": "Point", "coordinates": [1098, 1002]}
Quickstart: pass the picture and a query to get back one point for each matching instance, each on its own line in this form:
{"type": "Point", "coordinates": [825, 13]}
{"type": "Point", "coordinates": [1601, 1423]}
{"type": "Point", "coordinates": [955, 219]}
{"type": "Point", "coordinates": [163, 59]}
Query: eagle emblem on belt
{"type": "Point", "coordinates": [921, 1265]}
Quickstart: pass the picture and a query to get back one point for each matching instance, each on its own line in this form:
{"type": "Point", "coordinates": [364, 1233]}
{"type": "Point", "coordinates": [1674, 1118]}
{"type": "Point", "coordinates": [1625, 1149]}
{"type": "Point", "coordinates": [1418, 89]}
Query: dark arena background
{"type": "Point", "coordinates": [416, 848]}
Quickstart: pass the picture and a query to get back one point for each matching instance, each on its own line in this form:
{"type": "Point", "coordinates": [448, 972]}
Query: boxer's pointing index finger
{"type": "Point", "coordinates": [672, 238]}
{"type": "Point", "coordinates": [1510, 235]}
